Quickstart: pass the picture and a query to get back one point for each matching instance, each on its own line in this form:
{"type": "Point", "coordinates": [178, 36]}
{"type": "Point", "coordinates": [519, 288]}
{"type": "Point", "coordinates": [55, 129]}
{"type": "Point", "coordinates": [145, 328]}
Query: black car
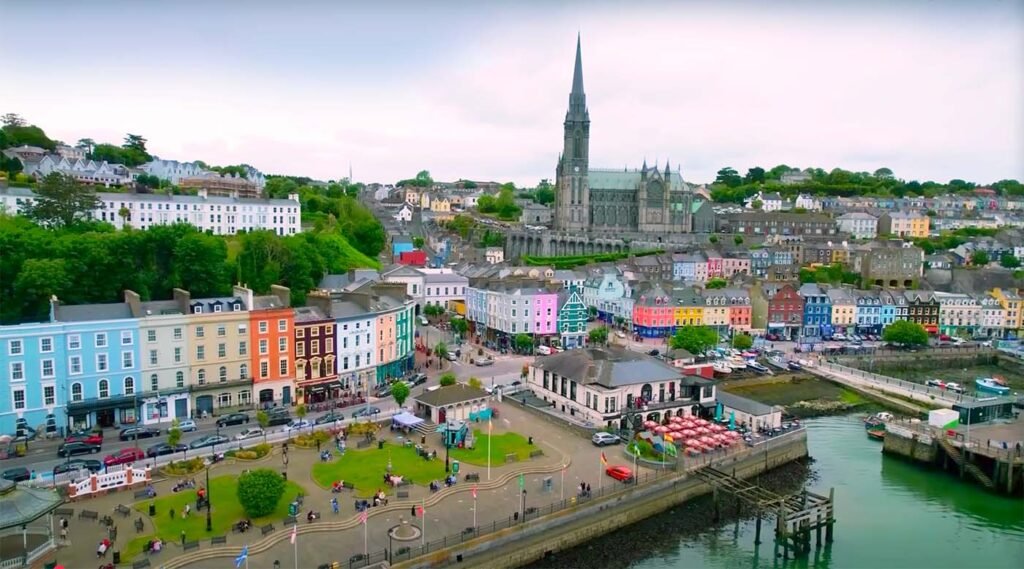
{"type": "Point", "coordinates": [329, 417]}
{"type": "Point", "coordinates": [208, 441]}
{"type": "Point", "coordinates": [20, 474]}
{"type": "Point", "coordinates": [78, 463]}
{"type": "Point", "coordinates": [418, 379]}
{"type": "Point", "coordinates": [233, 419]}
{"type": "Point", "coordinates": [384, 391]}
{"type": "Point", "coordinates": [365, 411]}
{"type": "Point", "coordinates": [275, 419]}
{"type": "Point", "coordinates": [132, 433]}
{"type": "Point", "coordinates": [653, 353]}
{"type": "Point", "coordinates": [76, 447]}
{"type": "Point", "coordinates": [163, 449]}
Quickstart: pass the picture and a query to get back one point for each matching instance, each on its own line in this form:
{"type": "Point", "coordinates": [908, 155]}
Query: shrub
{"type": "Point", "coordinates": [183, 467]}
{"type": "Point", "coordinates": [308, 440]}
{"type": "Point", "coordinates": [259, 491]}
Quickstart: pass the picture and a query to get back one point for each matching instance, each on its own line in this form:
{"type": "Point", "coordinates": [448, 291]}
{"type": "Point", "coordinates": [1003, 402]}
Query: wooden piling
{"type": "Point", "coordinates": [831, 515]}
{"type": "Point", "coordinates": [757, 528]}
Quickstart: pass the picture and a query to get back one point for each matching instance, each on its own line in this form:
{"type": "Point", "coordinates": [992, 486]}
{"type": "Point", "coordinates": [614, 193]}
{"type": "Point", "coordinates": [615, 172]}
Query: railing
{"type": "Point", "coordinates": [882, 382]}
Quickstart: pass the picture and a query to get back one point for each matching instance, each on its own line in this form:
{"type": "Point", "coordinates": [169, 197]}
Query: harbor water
{"type": "Point", "coordinates": [890, 514]}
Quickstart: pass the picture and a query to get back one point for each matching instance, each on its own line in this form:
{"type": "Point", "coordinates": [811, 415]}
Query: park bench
{"type": "Point", "coordinates": [141, 564]}
{"type": "Point", "coordinates": [267, 529]}
{"type": "Point", "coordinates": [190, 545]}
{"type": "Point", "coordinates": [141, 494]}
{"type": "Point", "coordinates": [511, 457]}
{"type": "Point", "coordinates": [138, 525]}
{"type": "Point", "coordinates": [125, 511]}
{"type": "Point", "coordinates": [88, 515]}
{"type": "Point", "coordinates": [472, 477]}
{"type": "Point", "coordinates": [66, 512]}
{"type": "Point", "coordinates": [536, 453]}
{"type": "Point", "coordinates": [531, 510]}
{"type": "Point", "coordinates": [290, 521]}
{"type": "Point", "coordinates": [402, 494]}
{"type": "Point", "coordinates": [468, 530]}
{"type": "Point", "coordinates": [219, 540]}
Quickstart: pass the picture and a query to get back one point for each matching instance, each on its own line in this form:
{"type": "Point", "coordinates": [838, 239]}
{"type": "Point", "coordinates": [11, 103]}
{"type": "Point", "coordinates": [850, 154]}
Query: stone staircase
{"type": "Point", "coordinates": [426, 428]}
{"type": "Point", "coordinates": [960, 461]}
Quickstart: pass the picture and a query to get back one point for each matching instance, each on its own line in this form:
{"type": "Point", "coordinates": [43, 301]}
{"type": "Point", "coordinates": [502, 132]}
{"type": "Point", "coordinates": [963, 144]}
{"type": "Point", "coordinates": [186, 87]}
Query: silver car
{"type": "Point", "coordinates": [602, 439]}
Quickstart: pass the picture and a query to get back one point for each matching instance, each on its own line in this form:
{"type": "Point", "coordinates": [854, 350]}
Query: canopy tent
{"type": "Point", "coordinates": [481, 415]}
{"type": "Point", "coordinates": [406, 419]}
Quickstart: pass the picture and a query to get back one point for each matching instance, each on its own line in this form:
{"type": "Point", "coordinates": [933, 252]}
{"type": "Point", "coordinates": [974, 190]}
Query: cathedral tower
{"type": "Point", "coordinates": [572, 203]}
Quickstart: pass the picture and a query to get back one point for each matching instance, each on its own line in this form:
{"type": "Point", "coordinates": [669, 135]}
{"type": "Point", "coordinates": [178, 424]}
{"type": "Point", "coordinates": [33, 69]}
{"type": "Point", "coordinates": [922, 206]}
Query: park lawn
{"type": "Point", "coordinates": [365, 469]}
{"type": "Point", "coordinates": [501, 445]}
{"type": "Point", "coordinates": [226, 512]}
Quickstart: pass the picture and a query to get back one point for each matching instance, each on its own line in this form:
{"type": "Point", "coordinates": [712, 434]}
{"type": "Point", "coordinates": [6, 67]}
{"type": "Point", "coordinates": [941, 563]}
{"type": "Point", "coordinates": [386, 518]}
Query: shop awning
{"type": "Point", "coordinates": [91, 405]}
{"type": "Point", "coordinates": [406, 419]}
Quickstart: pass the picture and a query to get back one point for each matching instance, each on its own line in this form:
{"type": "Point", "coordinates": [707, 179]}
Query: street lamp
{"type": "Point", "coordinates": [209, 517]}
{"type": "Point", "coordinates": [447, 445]}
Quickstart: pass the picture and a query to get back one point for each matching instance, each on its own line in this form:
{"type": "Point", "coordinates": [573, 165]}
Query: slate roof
{"type": "Point", "coordinates": [309, 314]}
{"type": "Point", "coordinates": [743, 404]}
{"type": "Point", "coordinates": [609, 367]}
{"type": "Point", "coordinates": [451, 395]}
{"type": "Point", "coordinates": [601, 179]}
{"type": "Point", "coordinates": [88, 312]}
{"type": "Point", "coordinates": [23, 504]}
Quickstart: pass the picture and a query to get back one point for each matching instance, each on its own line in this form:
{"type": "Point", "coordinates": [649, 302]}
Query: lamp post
{"type": "Point", "coordinates": [447, 445]}
{"type": "Point", "coordinates": [209, 517]}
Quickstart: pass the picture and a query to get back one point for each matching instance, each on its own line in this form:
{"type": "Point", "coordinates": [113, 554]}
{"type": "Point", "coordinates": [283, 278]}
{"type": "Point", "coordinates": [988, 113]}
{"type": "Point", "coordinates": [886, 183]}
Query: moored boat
{"type": "Point", "coordinates": [876, 433]}
{"type": "Point", "coordinates": [991, 385]}
{"type": "Point", "coordinates": [721, 368]}
{"type": "Point", "coordinates": [877, 421]}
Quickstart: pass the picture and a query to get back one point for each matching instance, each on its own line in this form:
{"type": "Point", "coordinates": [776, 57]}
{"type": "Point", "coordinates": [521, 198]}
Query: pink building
{"type": "Point", "coordinates": [714, 264]}
{"type": "Point", "coordinates": [735, 266]}
{"type": "Point", "coordinates": [740, 312]}
{"type": "Point", "coordinates": [545, 313]}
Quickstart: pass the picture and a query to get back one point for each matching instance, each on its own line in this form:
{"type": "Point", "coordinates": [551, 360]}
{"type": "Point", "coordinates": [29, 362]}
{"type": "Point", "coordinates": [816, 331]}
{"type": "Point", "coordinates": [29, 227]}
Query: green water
{"type": "Point", "coordinates": [890, 514]}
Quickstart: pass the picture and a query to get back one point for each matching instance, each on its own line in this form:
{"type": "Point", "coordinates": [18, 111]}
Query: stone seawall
{"type": "Point", "coordinates": [904, 442]}
{"type": "Point", "coordinates": [521, 545]}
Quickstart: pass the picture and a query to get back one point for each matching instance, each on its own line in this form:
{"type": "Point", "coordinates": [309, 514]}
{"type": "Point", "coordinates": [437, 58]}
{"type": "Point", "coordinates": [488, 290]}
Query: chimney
{"type": "Point", "coordinates": [134, 302]}
{"type": "Point", "coordinates": [245, 293]}
{"type": "Point", "coordinates": [283, 293]}
{"type": "Point", "coordinates": [54, 305]}
{"type": "Point", "coordinates": [183, 298]}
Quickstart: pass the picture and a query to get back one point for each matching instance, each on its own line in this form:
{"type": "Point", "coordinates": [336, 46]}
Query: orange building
{"type": "Point", "coordinates": [271, 332]}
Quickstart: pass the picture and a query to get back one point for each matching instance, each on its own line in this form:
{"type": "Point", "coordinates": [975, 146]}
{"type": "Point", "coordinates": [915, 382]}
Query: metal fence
{"type": "Point", "coordinates": [883, 381]}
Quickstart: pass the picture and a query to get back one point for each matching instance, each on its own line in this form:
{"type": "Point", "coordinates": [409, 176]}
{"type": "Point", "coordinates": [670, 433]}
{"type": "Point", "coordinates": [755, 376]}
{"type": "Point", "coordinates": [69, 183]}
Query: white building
{"type": "Point", "coordinates": [808, 202]}
{"type": "Point", "coordinates": [220, 215]}
{"type": "Point", "coordinates": [442, 286]}
{"type": "Point", "coordinates": [769, 202]}
{"type": "Point", "coordinates": [860, 225]}
{"type": "Point", "coordinates": [413, 279]}
{"type": "Point", "coordinates": [404, 213]}
{"type": "Point", "coordinates": [175, 171]}
{"type": "Point", "coordinates": [495, 255]}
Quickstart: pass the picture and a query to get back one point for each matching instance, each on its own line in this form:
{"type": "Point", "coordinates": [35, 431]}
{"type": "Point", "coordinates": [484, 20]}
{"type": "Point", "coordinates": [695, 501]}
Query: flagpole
{"type": "Point", "coordinates": [474, 509]}
{"type": "Point", "coordinates": [490, 435]}
{"type": "Point", "coordinates": [365, 548]}
{"type": "Point", "coordinates": [561, 487]}
{"type": "Point", "coordinates": [295, 544]}
{"type": "Point", "coordinates": [600, 476]}
{"type": "Point", "coordinates": [423, 533]}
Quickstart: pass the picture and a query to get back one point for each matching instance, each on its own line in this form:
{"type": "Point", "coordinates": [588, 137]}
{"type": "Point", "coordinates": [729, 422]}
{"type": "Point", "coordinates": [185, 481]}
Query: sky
{"type": "Point", "coordinates": [933, 90]}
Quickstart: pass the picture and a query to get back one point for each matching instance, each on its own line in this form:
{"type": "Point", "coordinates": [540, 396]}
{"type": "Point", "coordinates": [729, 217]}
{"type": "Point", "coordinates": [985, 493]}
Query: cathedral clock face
{"type": "Point", "coordinates": [577, 169]}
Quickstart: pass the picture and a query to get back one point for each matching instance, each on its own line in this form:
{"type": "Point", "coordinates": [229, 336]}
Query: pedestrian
{"type": "Point", "coordinates": [64, 535]}
{"type": "Point", "coordinates": [334, 505]}
{"type": "Point", "coordinates": [588, 489]}
{"type": "Point", "coordinates": [63, 523]}
{"type": "Point", "coordinates": [182, 538]}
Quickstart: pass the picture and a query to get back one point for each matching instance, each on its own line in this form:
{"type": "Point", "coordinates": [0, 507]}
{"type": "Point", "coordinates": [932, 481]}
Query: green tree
{"type": "Point", "coordinates": [447, 379]}
{"type": "Point", "coordinates": [598, 336]}
{"type": "Point", "coordinates": [441, 351]}
{"type": "Point", "coordinates": [742, 341]}
{"type": "Point", "coordinates": [728, 177]}
{"type": "Point", "coordinates": [1008, 261]}
{"type": "Point", "coordinates": [13, 120]}
{"type": "Point", "coordinates": [462, 224]}
{"type": "Point", "coordinates": [417, 242]}
{"type": "Point", "coordinates": [259, 491]}
{"type": "Point", "coordinates": [754, 175]}
{"type": "Point", "coordinates": [433, 310]}
{"type": "Point", "coordinates": [62, 202]}
{"type": "Point", "coordinates": [400, 391]}
{"type": "Point", "coordinates": [716, 283]}
{"type": "Point", "coordinates": [713, 239]}
{"type": "Point", "coordinates": [37, 281]}
{"type": "Point", "coordinates": [738, 240]}
{"type": "Point", "coordinates": [475, 383]}
{"type": "Point", "coordinates": [460, 326]}
{"type": "Point", "coordinates": [544, 195]}
{"type": "Point", "coordinates": [486, 204]}
{"type": "Point", "coordinates": [592, 311]}
{"type": "Point", "coordinates": [524, 343]}
{"type": "Point", "coordinates": [301, 413]}
{"type": "Point", "coordinates": [883, 173]}
{"type": "Point", "coordinates": [263, 419]}
{"type": "Point", "coordinates": [757, 204]}
{"type": "Point", "coordinates": [174, 433]}
{"type": "Point", "coordinates": [905, 333]}
{"type": "Point", "coordinates": [694, 339]}
{"type": "Point", "coordinates": [979, 258]}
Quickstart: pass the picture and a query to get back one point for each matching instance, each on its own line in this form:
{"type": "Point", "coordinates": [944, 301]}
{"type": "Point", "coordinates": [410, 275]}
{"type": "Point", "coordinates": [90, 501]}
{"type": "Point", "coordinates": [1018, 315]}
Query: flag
{"type": "Point", "coordinates": [522, 482]}
{"type": "Point", "coordinates": [420, 512]}
{"type": "Point", "coordinates": [604, 460]}
{"type": "Point", "coordinates": [364, 516]}
{"type": "Point", "coordinates": [490, 426]}
{"type": "Point", "coordinates": [474, 492]}
{"type": "Point", "coordinates": [295, 533]}
{"type": "Point", "coordinates": [242, 557]}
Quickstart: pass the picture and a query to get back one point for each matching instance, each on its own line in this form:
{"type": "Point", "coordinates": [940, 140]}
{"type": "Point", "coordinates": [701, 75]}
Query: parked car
{"type": "Point", "coordinates": [187, 426]}
{"type": "Point", "coordinates": [138, 433]}
{"type": "Point", "coordinates": [77, 447]}
{"type": "Point", "coordinates": [451, 357]}
{"type": "Point", "coordinates": [85, 437]}
{"type": "Point", "coordinates": [233, 419]}
{"type": "Point", "coordinates": [299, 424]}
{"type": "Point", "coordinates": [544, 350]}
{"type": "Point", "coordinates": [484, 362]}
{"type": "Point", "coordinates": [250, 433]}
{"type": "Point", "coordinates": [365, 412]}
{"type": "Point", "coordinates": [418, 379]}
{"type": "Point", "coordinates": [164, 449]}
{"type": "Point", "coordinates": [935, 383]}
{"type": "Point", "coordinates": [329, 417]}
{"type": "Point", "coordinates": [620, 473]}
{"type": "Point", "coordinates": [620, 333]}
{"type": "Point", "coordinates": [954, 387]}
{"type": "Point", "coordinates": [19, 474]}
{"type": "Point", "coordinates": [653, 353]}
{"type": "Point", "coordinates": [208, 441]}
{"type": "Point", "coordinates": [602, 439]}
{"type": "Point", "coordinates": [275, 419]}
{"type": "Point", "coordinates": [124, 456]}
{"type": "Point", "coordinates": [384, 391]}
{"type": "Point", "coordinates": [76, 464]}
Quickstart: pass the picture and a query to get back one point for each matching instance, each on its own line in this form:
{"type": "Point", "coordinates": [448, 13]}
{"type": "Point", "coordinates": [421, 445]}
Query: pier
{"type": "Point", "coordinates": [796, 515]}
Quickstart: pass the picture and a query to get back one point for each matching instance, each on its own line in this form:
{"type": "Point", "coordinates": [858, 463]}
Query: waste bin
{"type": "Point", "coordinates": [455, 467]}
{"type": "Point", "coordinates": [152, 510]}
{"type": "Point", "coordinates": [117, 558]}
{"type": "Point", "coordinates": [423, 439]}
{"type": "Point", "coordinates": [293, 509]}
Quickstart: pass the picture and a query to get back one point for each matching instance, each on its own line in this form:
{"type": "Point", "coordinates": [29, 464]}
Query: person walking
{"type": "Point", "coordinates": [183, 538]}
{"type": "Point", "coordinates": [334, 505]}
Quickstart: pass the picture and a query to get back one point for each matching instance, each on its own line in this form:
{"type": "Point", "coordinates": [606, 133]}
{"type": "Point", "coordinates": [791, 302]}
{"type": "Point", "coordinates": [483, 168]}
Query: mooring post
{"type": "Point", "coordinates": [757, 528]}
{"type": "Point", "coordinates": [831, 520]}
{"type": "Point", "coordinates": [817, 531]}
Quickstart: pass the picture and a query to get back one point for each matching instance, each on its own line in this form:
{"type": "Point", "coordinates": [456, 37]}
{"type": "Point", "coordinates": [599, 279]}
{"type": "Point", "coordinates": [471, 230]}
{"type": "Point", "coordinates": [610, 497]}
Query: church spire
{"type": "Point", "coordinates": [577, 74]}
{"type": "Point", "coordinates": [577, 98]}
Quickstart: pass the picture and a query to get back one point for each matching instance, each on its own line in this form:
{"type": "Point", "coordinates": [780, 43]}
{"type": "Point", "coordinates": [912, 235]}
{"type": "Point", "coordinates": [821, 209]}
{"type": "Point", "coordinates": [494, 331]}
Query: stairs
{"type": "Point", "coordinates": [426, 428]}
{"type": "Point", "coordinates": [959, 459]}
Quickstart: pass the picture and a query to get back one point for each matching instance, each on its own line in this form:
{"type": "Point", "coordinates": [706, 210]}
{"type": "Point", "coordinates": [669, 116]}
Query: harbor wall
{"type": "Point", "coordinates": [904, 442]}
{"type": "Point", "coordinates": [521, 545]}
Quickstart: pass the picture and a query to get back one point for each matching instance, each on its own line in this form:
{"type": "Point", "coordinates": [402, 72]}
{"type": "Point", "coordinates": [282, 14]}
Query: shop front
{"type": "Point", "coordinates": [394, 370]}
{"type": "Point", "coordinates": [107, 412]}
{"type": "Point", "coordinates": [165, 407]}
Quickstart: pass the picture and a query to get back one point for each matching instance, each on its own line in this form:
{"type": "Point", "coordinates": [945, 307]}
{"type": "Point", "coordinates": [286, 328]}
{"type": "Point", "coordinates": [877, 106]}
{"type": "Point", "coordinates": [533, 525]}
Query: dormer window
{"type": "Point", "coordinates": [197, 309]}
{"type": "Point", "coordinates": [216, 308]}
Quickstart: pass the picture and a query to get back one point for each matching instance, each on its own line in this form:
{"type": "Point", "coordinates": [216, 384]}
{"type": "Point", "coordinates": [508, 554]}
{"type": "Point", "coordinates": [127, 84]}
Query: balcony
{"type": "Point", "coordinates": [212, 385]}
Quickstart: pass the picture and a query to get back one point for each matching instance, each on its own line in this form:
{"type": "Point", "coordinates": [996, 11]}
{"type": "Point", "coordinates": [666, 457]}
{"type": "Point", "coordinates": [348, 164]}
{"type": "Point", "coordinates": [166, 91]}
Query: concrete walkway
{"type": "Point", "coordinates": [866, 380]}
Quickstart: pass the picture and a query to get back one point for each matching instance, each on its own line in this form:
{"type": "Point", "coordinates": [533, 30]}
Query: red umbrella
{"type": "Point", "coordinates": [676, 419]}
{"type": "Point", "coordinates": [692, 443]}
{"type": "Point", "coordinates": [660, 429]}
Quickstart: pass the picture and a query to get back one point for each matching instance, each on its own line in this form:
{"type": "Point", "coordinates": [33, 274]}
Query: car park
{"type": "Point", "coordinates": [77, 447]}
{"type": "Point", "coordinates": [601, 439]}
{"type": "Point", "coordinates": [164, 449]}
{"type": "Point", "coordinates": [620, 473]}
{"type": "Point", "coordinates": [124, 456]}
{"type": "Point", "coordinates": [187, 426]}
{"type": "Point", "coordinates": [250, 433]}
{"type": "Point", "coordinates": [233, 419]}
{"type": "Point", "coordinates": [207, 441]}
{"type": "Point", "coordinates": [19, 474]}
{"type": "Point", "coordinates": [132, 433]}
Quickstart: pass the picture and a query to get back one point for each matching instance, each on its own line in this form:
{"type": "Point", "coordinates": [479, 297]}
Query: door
{"type": "Point", "coordinates": [266, 395]}
{"type": "Point", "coordinates": [286, 395]}
{"type": "Point", "coordinates": [442, 416]}
{"type": "Point", "coordinates": [181, 408]}
{"type": "Point", "coordinates": [204, 405]}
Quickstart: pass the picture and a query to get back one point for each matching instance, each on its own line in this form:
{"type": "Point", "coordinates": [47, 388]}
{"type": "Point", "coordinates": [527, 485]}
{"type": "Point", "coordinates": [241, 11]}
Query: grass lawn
{"type": "Point", "coordinates": [226, 512]}
{"type": "Point", "coordinates": [365, 468]}
{"type": "Point", "coordinates": [501, 445]}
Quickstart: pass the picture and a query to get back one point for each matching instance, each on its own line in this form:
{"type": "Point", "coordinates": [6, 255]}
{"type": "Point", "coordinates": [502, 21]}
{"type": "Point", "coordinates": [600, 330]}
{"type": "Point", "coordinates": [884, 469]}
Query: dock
{"type": "Point", "coordinates": [796, 515]}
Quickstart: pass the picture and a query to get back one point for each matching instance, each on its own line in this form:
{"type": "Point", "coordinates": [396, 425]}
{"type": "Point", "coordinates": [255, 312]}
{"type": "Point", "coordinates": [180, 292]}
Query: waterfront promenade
{"type": "Point", "coordinates": [882, 384]}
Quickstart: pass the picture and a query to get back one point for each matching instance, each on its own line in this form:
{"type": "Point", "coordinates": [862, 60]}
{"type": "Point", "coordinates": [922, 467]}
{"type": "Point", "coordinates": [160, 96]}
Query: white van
{"type": "Point", "coordinates": [544, 350]}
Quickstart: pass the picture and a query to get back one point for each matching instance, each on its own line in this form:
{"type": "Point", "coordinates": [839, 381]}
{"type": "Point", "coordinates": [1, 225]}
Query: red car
{"type": "Point", "coordinates": [90, 438]}
{"type": "Point", "coordinates": [125, 456]}
{"type": "Point", "coordinates": [620, 473]}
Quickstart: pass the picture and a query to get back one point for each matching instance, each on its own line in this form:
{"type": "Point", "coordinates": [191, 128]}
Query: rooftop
{"type": "Point", "coordinates": [609, 367]}
{"type": "Point", "coordinates": [451, 395]}
{"type": "Point", "coordinates": [743, 404]}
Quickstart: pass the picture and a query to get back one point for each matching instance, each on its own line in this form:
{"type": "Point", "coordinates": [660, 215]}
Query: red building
{"type": "Point", "coordinates": [316, 374]}
{"type": "Point", "coordinates": [786, 312]}
{"type": "Point", "coordinates": [414, 258]}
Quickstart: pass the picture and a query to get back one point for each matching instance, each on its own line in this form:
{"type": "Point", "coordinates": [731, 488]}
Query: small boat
{"type": "Point", "coordinates": [991, 385]}
{"type": "Point", "coordinates": [758, 367]}
{"type": "Point", "coordinates": [778, 362]}
{"type": "Point", "coordinates": [877, 421]}
{"type": "Point", "coordinates": [794, 365]}
{"type": "Point", "coordinates": [721, 368]}
{"type": "Point", "coordinates": [736, 363]}
{"type": "Point", "coordinates": [877, 433]}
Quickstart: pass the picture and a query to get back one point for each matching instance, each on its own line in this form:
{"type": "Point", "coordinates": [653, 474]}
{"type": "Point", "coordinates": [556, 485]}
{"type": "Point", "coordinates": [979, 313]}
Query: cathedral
{"type": "Point", "coordinates": [616, 201]}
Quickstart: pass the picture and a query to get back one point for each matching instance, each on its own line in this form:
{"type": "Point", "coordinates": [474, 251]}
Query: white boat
{"type": "Point", "coordinates": [721, 368]}
{"type": "Point", "coordinates": [736, 363]}
{"type": "Point", "coordinates": [778, 362]}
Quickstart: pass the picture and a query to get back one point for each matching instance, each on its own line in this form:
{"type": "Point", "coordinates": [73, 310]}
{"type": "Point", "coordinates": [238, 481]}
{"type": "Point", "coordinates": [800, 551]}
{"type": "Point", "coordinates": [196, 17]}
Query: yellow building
{"type": "Point", "coordinates": [440, 205]}
{"type": "Point", "coordinates": [903, 224]}
{"type": "Point", "coordinates": [689, 308]}
{"type": "Point", "coordinates": [716, 309]}
{"type": "Point", "coordinates": [1011, 303]}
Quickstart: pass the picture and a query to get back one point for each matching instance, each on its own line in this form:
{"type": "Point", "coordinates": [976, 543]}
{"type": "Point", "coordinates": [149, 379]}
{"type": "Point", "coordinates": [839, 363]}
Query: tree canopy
{"type": "Point", "coordinates": [905, 333]}
{"type": "Point", "coordinates": [400, 391]}
{"type": "Point", "coordinates": [598, 336]}
{"type": "Point", "coordinates": [62, 202]}
{"type": "Point", "coordinates": [694, 339]}
{"type": "Point", "coordinates": [716, 282]}
{"type": "Point", "coordinates": [742, 341]}
{"type": "Point", "coordinates": [259, 491]}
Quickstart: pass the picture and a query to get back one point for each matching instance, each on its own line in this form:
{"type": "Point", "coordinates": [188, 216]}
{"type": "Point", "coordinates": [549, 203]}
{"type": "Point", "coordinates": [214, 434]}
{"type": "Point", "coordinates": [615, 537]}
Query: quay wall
{"type": "Point", "coordinates": [523, 544]}
{"type": "Point", "coordinates": [904, 442]}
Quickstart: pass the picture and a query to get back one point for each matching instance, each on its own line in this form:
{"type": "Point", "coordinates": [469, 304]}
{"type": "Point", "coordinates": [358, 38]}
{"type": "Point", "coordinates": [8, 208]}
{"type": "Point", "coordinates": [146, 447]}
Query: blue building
{"type": "Point", "coordinates": [32, 395]}
{"type": "Point", "coordinates": [869, 312]}
{"type": "Point", "coordinates": [102, 379]}
{"type": "Point", "coordinates": [817, 311]}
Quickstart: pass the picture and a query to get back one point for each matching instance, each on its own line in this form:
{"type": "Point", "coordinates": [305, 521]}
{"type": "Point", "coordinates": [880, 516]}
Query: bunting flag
{"type": "Point", "coordinates": [474, 492]}
{"type": "Point", "coordinates": [420, 511]}
{"type": "Point", "coordinates": [242, 557]}
{"type": "Point", "coordinates": [295, 533]}
{"type": "Point", "coordinates": [604, 460]}
{"type": "Point", "coordinates": [363, 517]}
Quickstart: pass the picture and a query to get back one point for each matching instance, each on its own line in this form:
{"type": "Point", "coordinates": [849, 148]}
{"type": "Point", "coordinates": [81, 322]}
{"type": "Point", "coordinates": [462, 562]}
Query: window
{"type": "Point", "coordinates": [222, 350]}
{"type": "Point", "coordinates": [316, 331]}
{"type": "Point", "coordinates": [314, 347]}
{"type": "Point", "coordinates": [177, 333]}
{"type": "Point", "coordinates": [177, 355]}
{"type": "Point", "coordinates": [300, 332]}
{"type": "Point", "coordinates": [201, 377]}
{"type": "Point", "coordinates": [222, 331]}
{"type": "Point", "coordinates": [17, 371]}
{"type": "Point", "coordinates": [154, 383]}
{"type": "Point", "coordinates": [243, 371]}
{"type": "Point", "coordinates": [45, 345]}
{"type": "Point", "coordinates": [357, 360]}
{"type": "Point", "coordinates": [264, 347]}
{"type": "Point", "coordinates": [224, 400]}
{"type": "Point", "coordinates": [263, 327]}
{"type": "Point", "coordinates": [344, 363]}
{"type": "Point", "coordinates": [129, 386]}
{"type": "Point", "coordinates": [200, 332]}
{"type": "Point", "coordinates": [222, 374]}
{"type": "Point", "coordinates": [264, 368]}
{"type": "Point", "coordinates": [101, 340]}
{"type": "Point", "coordinates": [282, 325]}
{"type": "Point", "coordinates": [300, 350]}
{"type": "Point", "coordinates": [328, 347]}
{"type": "Point", "coordinates": [76, 391]}
{"type": "Point", "coordinates": [126, 338]}
{"type": "Point", "coordinates": [104, 389]}
{"type": "Point", "coordinates": [19, 398]}
{"type": "Point", "coordinates": [150, 335]}
{"type": "Point", "coordinates": [74, 342]}
{"type": "Point", "coordinates": [282, 345]}
{"type": "Point", "coordinates": [49, 395]}
{"type": "Point", "coordinates": [15, 348]}
{"type": "Point", "coordinates": [152, 357]}
{"type": "Point", "coordinates": [282, 365]}
{"type": "Point", "coordinates": [179, 379]}
{"type": "Point", "coordinates": [242, 329]}
{"type": "Point", "coordinates": [243, 348]}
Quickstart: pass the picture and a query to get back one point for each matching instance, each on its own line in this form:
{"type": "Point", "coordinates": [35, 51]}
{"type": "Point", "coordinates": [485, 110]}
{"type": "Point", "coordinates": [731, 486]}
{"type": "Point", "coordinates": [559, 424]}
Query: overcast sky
{"type": "Point", "coordinates": [933, 90]}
